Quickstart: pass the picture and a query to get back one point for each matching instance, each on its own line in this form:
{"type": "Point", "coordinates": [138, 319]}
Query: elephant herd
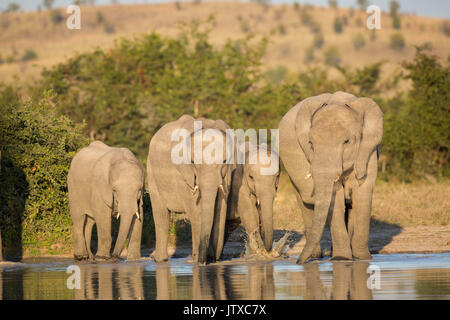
{"type": "Point", "coordinates": [328, 144]}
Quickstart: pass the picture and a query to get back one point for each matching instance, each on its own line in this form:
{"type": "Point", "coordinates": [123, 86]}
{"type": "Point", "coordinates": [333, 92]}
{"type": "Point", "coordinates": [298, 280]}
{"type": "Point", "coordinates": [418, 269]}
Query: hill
{"type": "Point", "coordinates": [30, 41]}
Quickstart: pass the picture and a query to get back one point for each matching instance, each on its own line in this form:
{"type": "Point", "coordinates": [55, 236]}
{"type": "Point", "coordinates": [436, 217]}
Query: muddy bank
{"type": "Point", "coordinates": [383, 240]}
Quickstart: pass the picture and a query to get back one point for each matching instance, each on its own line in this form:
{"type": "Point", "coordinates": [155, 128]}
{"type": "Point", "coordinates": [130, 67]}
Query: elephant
{"type": "Point", "coordinates": [197, 188]}
{"type": "Point", "coordinates": [106, 182]}
{"type": "Point", "coordinates": [251, 198]}
{"type": "Point", "coordinates": [349, 282]}
{"type": "Point", "coordinates": [329, 146]}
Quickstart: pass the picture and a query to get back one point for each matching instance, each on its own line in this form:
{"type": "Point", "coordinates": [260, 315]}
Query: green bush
{"type": "Point", "coordinates": [309, 55]}
{"type": "Point", "coordinates": [397, 42]}
{"type": "Point", "coordinates": [396, 22]}
{"type": "Point", "coordinates": [338, 25]}
{"type": "Point", "coordinates": [37, 146]}
{"type": "Point", "coordinates": [127, 93]}
{"type": "Point", "coordinates": [332, 57]}
{"type": "Point", "coordinates": [446, 28]}
{"type": "Point", "coordinates": [29, 55]}
{"type": "Point", "coordinates": [417, 128]}
{"type": "Point", "coordinates": [56, 16]}
{"type": "Point", "coordinates": [359, 41]}
{"type": "Point", "coordinates": [319, 40]}
{"type": "Point", "coordinates": [277, 75]}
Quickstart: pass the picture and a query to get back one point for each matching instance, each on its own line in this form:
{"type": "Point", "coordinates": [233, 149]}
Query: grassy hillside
{"type": "Point", "coordinates": [45, 33]}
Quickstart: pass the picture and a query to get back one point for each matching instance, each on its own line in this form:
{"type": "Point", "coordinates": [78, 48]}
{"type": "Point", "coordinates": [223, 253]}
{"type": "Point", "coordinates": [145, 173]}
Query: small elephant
{"type": "Point", "coordinates": [329, 146]}
{"type": "Point", "coordinates": [106, 182]}
{"type": "Point", "coordinates": [192, 186]}
{"type": "Point", "coordinates": [253, 191]}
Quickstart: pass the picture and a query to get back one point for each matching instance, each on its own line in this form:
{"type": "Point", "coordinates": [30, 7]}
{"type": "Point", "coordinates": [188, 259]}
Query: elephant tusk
{"type": "Point", "coordinates": [221, 189]}
{"type": "Point", "coordinates": [118, 215]}
{"type": "Point", "coordinates": [337, 178]}
{"type": "Point", "coordinates": [195, 190]}
{"type": "Point", "coordinates": [137, 215]}
{"type": "Point", "coordinates": [308, 176]}
{"type": "Point", "coordinates": [257, 202]}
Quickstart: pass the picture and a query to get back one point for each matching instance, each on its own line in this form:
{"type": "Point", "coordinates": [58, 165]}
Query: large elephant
{"type": "Point", "coordinates": [329, 146]}
{"type": "Point", "coordinates": [253, 191]}
{"type": "Point", "coordinates": [193, 186]}
{"type": "Point", "coordinates": [106, 182]}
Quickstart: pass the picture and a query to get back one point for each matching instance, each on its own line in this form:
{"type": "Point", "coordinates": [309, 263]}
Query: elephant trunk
{"type": "Point", "coordinates": [126, 219]}
{"type": "Point", "coordinates": [323, 195]}
{"type": "Point", "coordinates": [267, 221]}
{"type": "Point", "coordinates": [207, 206]}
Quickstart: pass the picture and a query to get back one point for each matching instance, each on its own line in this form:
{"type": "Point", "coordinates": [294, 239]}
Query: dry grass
{"type": "Point", "coordinates": [393, 203]}
{"type": "Point", "coordinates": [53, 43]}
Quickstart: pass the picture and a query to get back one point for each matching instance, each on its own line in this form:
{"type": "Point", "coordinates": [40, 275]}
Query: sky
{"type": "Point", "coordinates": [431, 8]}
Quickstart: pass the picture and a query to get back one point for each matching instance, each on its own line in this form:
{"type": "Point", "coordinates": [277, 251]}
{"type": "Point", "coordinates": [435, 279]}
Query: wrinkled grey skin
{"type": "Point", "coordinates": [329, 146]}
{"type": "Point", "coordinates": [251, 200]}
{"type": "Point", "coordinates": [199, 190]}
{"type": "Point", "coordinates": [106, 182]}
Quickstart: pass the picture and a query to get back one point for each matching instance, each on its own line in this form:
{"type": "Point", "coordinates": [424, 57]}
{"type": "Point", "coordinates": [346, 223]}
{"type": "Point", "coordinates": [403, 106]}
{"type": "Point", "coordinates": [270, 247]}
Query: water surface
{"type": "Point", "coordinates": [396, 276]}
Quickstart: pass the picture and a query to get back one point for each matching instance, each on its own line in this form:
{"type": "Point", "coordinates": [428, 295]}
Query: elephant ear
{"type": "Point", "coordinates": [186, 169]}
{"type": "Point", "coordinates": [306, 111]}
{"type": "Point", "coordinates": [372, 132]}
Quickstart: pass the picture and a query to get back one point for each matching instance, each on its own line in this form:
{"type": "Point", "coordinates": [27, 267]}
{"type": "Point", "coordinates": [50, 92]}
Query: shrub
{"type": "Point", "coordinates": [126, 93]}
{"type": "Point", "coordinates": [446, 28]}
{"type": "Point", "coordinates": [56, 17]}
{"type": "Point", "coordinates": [319, 40]}
{"type": "Point", "coordinates": [28, 55]}
{"type": "Point", "coordinates": [417, 131]}
{"type": "Point", "coordinates": [37, 146]}
{"type": "Point", "coordinates": [309, 55]}
{"type": "Point", "coordinates": [100, 18]}
{"type": "Point", "coordinates": [332, 57]}
{"type": "Point", "coordinates": [397, 42]}
{"type": "Point", "coordinates": [333, 4]}
{"type": "Point", "coordinates": [338, 25]}
{"type": "Point", "coordinates": [359, 41]}
{"type": "Point", "coordinates": [109, 28]}
{"type": "Point", "coordinates": [396, 22]}
{"type": "Point", "coordinates": [277, 75]}
{"type": "Point", "coordinates": [282, 29]}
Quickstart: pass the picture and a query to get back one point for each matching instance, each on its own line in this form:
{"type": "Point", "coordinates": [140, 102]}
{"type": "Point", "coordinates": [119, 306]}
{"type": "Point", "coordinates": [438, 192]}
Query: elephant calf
{"type": "Point", "coordinates": [106, 182]}
{"type": "Point", "coordinates": [253, 191]}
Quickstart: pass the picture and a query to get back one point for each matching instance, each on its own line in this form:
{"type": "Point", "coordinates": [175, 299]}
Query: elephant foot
{"type": "Point", "coordinates": [362, 255]}
{"type": "Point", "coordinates": [102, 258]}
{"type": "Point", "coordinates": [317, 253]}
{"type": "Point", "coordinates": [133, 257]}
{"type": "Point", "coordinates": [345, 254]}
{"type": "Point", "coordinates": [159, 257]}
{"type": "Point", "coordinates": [81, 257]}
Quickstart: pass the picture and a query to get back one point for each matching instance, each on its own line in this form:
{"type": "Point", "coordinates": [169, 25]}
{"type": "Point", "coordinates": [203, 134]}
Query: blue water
{"type": "Point", "coordinates": [396, 276]}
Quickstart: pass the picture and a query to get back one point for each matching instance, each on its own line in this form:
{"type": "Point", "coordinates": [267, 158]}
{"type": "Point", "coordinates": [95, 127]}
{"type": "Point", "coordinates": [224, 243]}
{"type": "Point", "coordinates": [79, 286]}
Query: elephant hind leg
{"type": "Point", "coordinates": [80, 251]}
{"type": "Point", "coordinates": [161, 219]}
{"type": "Point", "coordinates": [88, 235]}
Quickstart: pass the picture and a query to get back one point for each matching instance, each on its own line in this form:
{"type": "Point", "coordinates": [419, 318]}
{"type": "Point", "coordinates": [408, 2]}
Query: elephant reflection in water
{"type": "Point", "coordinates": [349, 282]}
{"type": "Point", "coordinates": [108, 282]}
{"type": "Point", "coordinates": [221, 282]}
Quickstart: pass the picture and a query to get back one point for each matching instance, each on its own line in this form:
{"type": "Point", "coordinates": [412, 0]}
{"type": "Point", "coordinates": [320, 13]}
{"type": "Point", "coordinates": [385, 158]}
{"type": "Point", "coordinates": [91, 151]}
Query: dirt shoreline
{"type": "Point", "coordinates": [383, 240]}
